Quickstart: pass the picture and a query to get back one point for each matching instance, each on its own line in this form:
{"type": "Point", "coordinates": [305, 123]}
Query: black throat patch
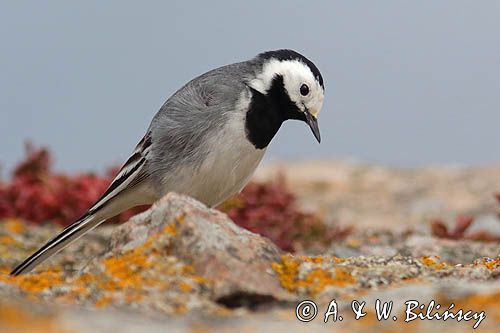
{"type": "Point", "coordinates": [267, 112]}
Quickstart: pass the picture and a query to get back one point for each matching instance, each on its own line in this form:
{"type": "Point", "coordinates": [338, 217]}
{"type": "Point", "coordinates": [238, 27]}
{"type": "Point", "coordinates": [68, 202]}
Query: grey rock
{"type": "Point", "coordinates": [487, 222]}
{"type": "Point", "coordinates": [236, 260]}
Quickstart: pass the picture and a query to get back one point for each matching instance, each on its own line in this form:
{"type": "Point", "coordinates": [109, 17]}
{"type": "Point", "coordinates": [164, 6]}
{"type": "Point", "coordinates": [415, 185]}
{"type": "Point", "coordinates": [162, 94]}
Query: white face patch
{"type": "Point", "coordinates": [295, 73]}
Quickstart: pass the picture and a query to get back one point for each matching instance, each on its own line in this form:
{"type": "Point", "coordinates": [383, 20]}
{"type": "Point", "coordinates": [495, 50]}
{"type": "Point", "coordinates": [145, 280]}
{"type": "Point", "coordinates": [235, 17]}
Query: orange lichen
{"type": "Point", "coordinates": [185, 287]}
{"type": "Point", "coordinates": [318, 279]}
{"type": "Point", "coordinates": [103, 301]}
{"type": "Point", "coordinates": [287, 271]}
{"type": "Point", "coordinates": [200, 279]}
{"type": "Point", "coordinates": [35, 283]}
{"type": "Point", "coordinates": [188, 269]}
{"type": "Point", "coordinates": [337, 259]}
{"type": "Point", "coordinates": [108, 284]}
{"type": "Point", "coordinates": [125, 269]}
{"type": "Point", "coordinates": [314, 281]}
{"type": "Point", "coordinates": [316, 260]}
{"type": "Point", "coordinates": [321, 259]}
{"type": "Point", "coordinates": [127, 275]}
{"type": "Point", "coordinates": [81, 285]}
{"type": "Point", "coordinates": [431, 262]}
{"type": "Point", "coordinates": [343, 277]}
{"type": "Point", "coordinates": [7, 240]}
{"type": "Point", "coordinates": [79, 291]}
{"type": "Point", "coordinates": [84, 279]}
{"type": "Point", "coordinates": [490, 264]}
{"type": "Point", "coordinates": [170, 229]}
{"type": "Point", "coordinates": [15, 226]}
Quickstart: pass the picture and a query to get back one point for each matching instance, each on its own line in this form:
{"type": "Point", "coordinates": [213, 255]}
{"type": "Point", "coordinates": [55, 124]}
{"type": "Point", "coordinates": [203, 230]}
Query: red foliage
{"type": "Point", "coordinates": [462, 224]}
{"type": "Point", "coordinates": [269, 209]}
{"type": "Point", "coordinates": [497, 196]}
{"type": "Point", "coordinates": [38, 194]}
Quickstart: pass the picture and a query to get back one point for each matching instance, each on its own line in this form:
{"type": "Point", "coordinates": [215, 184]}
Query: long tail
{"type": "Point", "coordinates": [56, 244]}
{"type": "Point", "coordinates": [125, 191]}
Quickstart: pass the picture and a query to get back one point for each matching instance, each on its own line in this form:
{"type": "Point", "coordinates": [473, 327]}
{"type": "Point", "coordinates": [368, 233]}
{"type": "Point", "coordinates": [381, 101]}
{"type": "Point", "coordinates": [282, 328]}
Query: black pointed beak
{"type": "Point", "coordinates": [312, 121]}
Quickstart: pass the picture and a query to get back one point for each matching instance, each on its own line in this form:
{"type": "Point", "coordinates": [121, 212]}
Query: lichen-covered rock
{"type": "Point", "coordinates": [183, 267]}
{"type": "Point", "coordinates": [234, 260]}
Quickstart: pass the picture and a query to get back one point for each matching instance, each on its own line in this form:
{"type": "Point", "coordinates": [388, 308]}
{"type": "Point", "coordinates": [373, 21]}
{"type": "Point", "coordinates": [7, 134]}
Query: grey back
{"type": "Point", "coordinates": [186, 119]}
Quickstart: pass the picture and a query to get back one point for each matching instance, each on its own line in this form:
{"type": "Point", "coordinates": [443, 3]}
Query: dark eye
{"type": "Point", "coordinates": [304, 89]}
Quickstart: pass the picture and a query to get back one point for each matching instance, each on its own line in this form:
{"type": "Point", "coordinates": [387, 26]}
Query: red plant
{"type": "Point", "coordinates": [459, 231]}
{"type": "Point", "coordinates": [497, 196]}
{"type": "Point", "coordinates": [37, 194]}
{"type": "Point", "coordinates": [269, 209]}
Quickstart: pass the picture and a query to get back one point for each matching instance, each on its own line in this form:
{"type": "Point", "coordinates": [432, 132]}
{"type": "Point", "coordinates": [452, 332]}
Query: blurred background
{"type": "Point", "coordinates": [407, 83]}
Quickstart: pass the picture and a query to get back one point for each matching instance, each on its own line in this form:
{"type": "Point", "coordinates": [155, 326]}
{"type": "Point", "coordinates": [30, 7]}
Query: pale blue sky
{"type": "Point", "coordinates": [407, 82]}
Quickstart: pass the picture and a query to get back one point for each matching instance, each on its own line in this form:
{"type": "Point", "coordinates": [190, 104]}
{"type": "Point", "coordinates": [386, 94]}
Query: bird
{"type": "Point", "coordinates": [207, 139]}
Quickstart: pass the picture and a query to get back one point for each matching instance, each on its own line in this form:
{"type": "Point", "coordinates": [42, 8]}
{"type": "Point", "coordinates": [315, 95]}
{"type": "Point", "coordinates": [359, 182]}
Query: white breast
{"type": "Point", "coordinates": [229, 165]}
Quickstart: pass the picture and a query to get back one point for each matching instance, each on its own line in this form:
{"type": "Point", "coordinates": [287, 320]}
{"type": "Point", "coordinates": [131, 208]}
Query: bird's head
{"type": "Point", "coordinates": [292, 84]}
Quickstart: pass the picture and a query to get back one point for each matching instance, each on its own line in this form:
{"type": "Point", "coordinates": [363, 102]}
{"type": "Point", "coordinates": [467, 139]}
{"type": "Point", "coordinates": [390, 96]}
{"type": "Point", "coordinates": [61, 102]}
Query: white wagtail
{"type": "Point", "coordinates": [207, 139]}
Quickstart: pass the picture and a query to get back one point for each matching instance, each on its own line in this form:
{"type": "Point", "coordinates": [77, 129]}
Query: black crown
{"type": "Point", "coordinates": [286, 54]}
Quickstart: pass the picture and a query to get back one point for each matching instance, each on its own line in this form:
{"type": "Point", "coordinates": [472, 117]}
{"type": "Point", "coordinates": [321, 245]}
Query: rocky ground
{"type": "Point", "coordinates": [182, 267]}
{"type": "Point", "coordinates": [366, 195]}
